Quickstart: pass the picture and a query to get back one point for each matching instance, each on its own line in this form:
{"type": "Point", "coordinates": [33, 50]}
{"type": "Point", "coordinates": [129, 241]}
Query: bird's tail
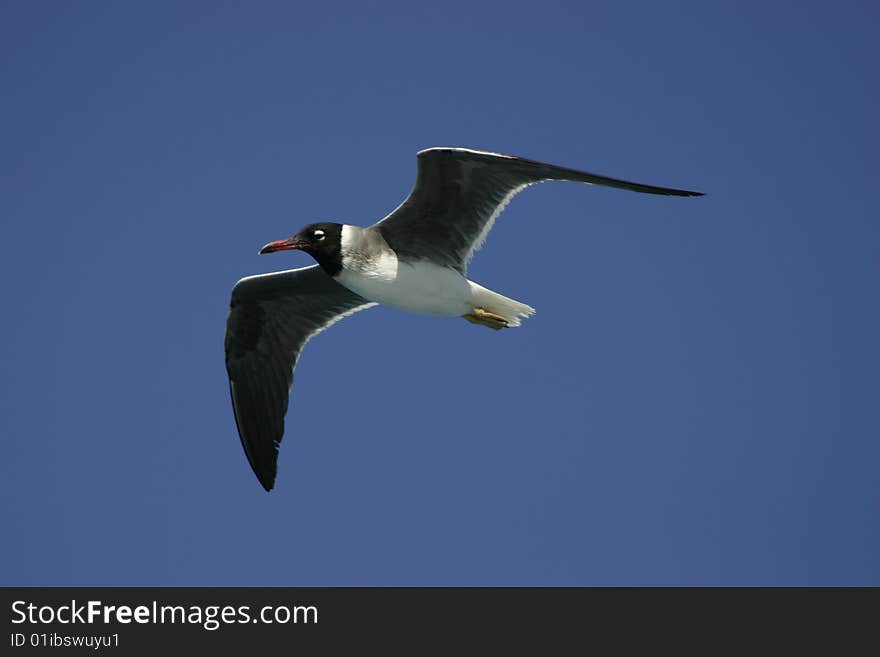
{"type": "Point", "coordinates": [495, 303]}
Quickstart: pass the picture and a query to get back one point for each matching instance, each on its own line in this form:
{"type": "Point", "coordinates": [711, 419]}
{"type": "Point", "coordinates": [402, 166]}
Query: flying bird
{"type": "Point", "coordinates": [414, 259]}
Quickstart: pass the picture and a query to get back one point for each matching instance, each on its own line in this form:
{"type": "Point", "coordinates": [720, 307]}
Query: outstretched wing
{"type": "Point", "coordinates": [271, 317]}
{"type": "Point", "coordinates": [459, 193]}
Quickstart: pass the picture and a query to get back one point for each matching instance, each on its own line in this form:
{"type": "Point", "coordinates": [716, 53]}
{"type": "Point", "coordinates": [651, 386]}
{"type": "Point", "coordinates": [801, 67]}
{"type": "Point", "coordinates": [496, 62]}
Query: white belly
{"type": "Point", "coordinates": [422, 287]}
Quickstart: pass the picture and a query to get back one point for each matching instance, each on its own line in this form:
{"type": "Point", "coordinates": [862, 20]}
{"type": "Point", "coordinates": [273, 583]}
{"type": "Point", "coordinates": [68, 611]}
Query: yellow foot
{"type": "Point", "coordinates": [484, 317]}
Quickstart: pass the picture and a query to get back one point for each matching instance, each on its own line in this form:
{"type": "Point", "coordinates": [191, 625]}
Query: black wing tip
{"type": "Point", "coordinates": [265, 472]}
{"type": "Point", "coordinates": [266, 481]}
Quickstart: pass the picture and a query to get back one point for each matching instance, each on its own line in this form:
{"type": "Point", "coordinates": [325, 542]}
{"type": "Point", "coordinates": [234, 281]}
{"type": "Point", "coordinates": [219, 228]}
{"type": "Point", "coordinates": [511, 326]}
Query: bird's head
{"type": "Point", "coordinates": [321, 241]}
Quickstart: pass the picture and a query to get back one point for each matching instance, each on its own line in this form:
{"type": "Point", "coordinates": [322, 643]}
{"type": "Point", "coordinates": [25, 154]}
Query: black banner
{"type": "Point", "coordinates": [136, 620]}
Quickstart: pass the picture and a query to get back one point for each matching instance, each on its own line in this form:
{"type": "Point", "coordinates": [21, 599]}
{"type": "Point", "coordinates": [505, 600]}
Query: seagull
{"type": "Point", "coordinates": [414, 259]}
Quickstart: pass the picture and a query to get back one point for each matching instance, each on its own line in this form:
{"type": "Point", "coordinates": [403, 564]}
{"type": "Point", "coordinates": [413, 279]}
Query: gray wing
{"type": "Point", "coordinates": [459, 193]}
{"type": "Point", "coordinates": [271, 317]}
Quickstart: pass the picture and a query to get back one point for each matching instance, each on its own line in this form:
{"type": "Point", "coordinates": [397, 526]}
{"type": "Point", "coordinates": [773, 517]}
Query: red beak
{"type": "Point", "coordinates": [283, 245]}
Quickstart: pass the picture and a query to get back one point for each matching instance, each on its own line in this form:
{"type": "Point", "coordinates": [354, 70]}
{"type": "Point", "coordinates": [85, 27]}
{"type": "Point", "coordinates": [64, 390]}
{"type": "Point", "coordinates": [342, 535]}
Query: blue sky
{"type": "Point", "coordinates": [694, 403]}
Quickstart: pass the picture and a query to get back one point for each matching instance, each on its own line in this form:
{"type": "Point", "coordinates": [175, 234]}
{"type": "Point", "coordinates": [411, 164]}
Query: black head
{"type": "Point", "coordinates": [321, 241]}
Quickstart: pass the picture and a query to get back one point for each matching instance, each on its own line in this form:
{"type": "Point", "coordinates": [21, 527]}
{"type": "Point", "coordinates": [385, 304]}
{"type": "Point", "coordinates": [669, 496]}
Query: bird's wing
{"type": "Point", "coordinates": [459, 193]}
{"type": "Point", "coordinates": [271, 317]}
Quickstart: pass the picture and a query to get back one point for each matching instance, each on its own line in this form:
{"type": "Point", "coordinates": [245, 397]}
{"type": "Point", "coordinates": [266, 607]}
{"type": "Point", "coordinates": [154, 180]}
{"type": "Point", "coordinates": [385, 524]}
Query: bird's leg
{"type": "Point", "coordinates": [484, 317]}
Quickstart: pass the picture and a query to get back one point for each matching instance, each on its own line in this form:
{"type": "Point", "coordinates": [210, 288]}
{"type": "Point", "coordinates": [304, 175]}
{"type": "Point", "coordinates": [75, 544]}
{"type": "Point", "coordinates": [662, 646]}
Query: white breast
{"type": "Point", "coordinates": [419, 287]}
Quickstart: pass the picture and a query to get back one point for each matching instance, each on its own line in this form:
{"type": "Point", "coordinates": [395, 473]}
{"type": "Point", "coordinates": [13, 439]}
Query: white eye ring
{"type": "Point", "coordinates": [318, 234]}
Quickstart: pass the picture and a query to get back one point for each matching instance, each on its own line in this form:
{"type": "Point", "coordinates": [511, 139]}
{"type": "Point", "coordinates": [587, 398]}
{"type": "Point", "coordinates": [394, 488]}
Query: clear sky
{"type": "Point", "coordinates": [695, 402]}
